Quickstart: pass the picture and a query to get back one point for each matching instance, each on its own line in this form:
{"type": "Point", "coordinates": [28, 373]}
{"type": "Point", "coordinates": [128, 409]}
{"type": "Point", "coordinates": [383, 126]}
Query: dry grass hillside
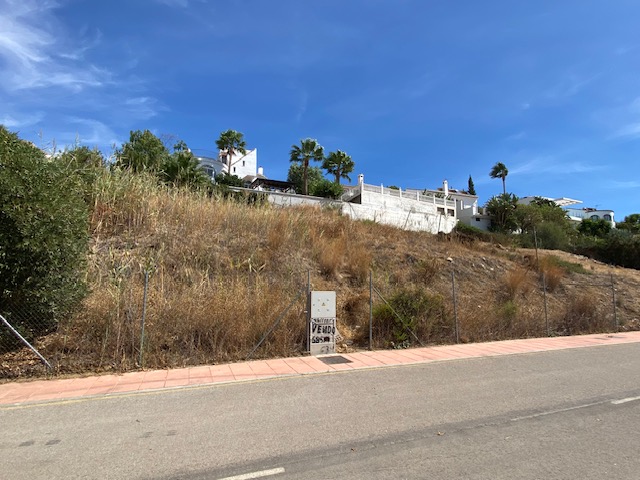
{"type": "Point", "coordinates": [221, 272]}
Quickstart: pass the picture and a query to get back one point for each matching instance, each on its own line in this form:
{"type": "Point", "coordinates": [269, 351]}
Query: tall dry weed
{"type": "Point", "coordinates": [552, 272]}
{"type": "Point", "coordinates": [516, 282]}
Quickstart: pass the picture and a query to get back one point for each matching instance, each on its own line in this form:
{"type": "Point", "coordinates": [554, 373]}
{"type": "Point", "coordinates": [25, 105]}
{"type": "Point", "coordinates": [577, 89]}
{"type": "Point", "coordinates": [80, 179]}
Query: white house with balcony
{"type": "Point", "coordinates": [405, 209]}
{"type": "Point", "coordinates": [467, 210]}
{"type": "Point", "coordinates": [576, 215]}
{"type": "Point", "coordinates": [244, 166]}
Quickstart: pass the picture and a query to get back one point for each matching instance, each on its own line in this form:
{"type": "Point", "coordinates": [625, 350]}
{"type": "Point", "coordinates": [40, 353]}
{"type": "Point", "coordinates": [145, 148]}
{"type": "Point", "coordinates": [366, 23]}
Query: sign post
{"type": "Point", "coordinates": [322, 323]}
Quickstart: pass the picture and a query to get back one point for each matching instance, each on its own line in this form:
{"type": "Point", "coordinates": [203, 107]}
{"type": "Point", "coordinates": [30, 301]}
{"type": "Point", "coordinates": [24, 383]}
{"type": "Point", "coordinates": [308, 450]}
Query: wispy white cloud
{"type": "Point", "coordinates": [88, 131]}
{"type": "Point", "coordinates": [624, 121]}
{"type": "Point", "coordinates": [632, 130]}
{"type": "Point", "coordinates": [143, 108]}
{"type": "Point", "coordinates": [621, 185]}
{"type": "Point", "coordinates": [552, 164]}
{"type": "Point", "coordinates": [44, 60]}
{"type": "Point", "coordinates": [174, 3]}
{"type": "Point", "coordinates": [302, 105]}
{"type": "Point", "coordinates": [11, 121]}
{"type": "Point", "coordinates": [569, 86]}
{"type": "Point", "coordinates": [36, 53]}
{"type": "Point", "coordinates": [382, 100]}
{"type": "Point", "coordinates": [516, 136]}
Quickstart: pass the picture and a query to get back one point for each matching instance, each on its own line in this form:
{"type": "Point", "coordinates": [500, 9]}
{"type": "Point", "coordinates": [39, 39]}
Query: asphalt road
{"type": "Point", "coordinates": [563, 414]}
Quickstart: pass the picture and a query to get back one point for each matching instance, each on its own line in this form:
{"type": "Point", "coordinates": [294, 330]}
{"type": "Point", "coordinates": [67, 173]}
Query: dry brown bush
{"type": "Point", "coordinates": [553, 273]}
{"type": "Point", "coordinates": [516, 282]}
{"type": "Point", "coordinates": [222, 271]}
{"type": "Point", "coordinates": [582, 315]}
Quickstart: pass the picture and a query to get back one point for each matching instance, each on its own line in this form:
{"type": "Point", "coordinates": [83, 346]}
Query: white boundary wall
{"type": "Point", "coordinates": [414, 212]}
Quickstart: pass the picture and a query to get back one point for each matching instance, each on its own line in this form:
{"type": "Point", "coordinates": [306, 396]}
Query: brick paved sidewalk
{"type": "Point", "coordinates": [58, 389]}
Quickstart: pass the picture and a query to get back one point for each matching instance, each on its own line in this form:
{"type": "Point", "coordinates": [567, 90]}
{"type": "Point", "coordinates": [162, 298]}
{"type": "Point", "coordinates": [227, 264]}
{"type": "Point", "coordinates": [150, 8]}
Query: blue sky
{"type": "Point", "coordinates": [416, 91]}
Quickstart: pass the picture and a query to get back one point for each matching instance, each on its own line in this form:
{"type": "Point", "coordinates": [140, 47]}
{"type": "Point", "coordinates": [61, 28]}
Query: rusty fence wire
{"type": "Point", "coordinates": [142, 322]}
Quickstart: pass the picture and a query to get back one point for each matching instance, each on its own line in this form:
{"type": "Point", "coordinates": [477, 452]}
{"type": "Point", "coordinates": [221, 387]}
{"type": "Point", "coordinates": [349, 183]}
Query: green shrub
{"type": "Point", "coordinates": [326, 188]}
{"type": "Point", "coordinates": [43, 236]}
{"type": "Point", "coordinates": [569, 267]}
{"type": "Point", "coordinates": [594, 228]}
{"type": "Point", "coordinates": [508, 311]}
{"type": "Point", "coordinates": [550, 236]}
{"type": "Point", "coordinates": [621, 248]}
{"type": "Point", "coordinates": [414, 311]}
{"type": "Point", "coordinates": [468, 232]}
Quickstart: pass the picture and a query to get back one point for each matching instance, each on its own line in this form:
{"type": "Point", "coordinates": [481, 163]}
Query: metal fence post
{"type": "Point", "coordinates": [370, 309]}
{"type": "Point", "coordinates": [615, 312]}
{"type": "Point", "coordinates": [308, 312]}
{"type": "Point", "coordinates": [24, 341]}
{"type": "Point", "coordinates": [544, 294]}
{"type": "Point", "coordinates": [144, 315]}
{"type": "Point", "coordinates": [455, 305]}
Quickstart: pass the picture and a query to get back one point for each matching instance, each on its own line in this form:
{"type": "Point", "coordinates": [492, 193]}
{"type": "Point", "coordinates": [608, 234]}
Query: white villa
{"type": "Point", "coordinates": [423, 210]}
{"type": "Point", "coordinates": [467, 210]}
{"type": "Point", "coordinates": [433, 211]}
{"type": "Point", "coordinates": [241, 165]}
{"type": "Point", "coordinates": [576, 215]}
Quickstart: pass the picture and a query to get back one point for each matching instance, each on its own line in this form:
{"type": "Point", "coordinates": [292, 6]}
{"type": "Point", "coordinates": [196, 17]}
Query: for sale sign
{"type": "Point", "coordinates": [322, 323]}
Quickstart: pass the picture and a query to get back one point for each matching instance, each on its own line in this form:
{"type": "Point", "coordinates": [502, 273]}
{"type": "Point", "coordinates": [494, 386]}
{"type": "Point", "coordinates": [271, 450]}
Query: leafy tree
{"type": "Point", "coordinates": [296, 176]}
{"type": "Point", "coordinates": [471, 188]}
{"type": "Point", "coordinates": [539, 211]}
{"type": "Point", "coordinates": [500, 170]}
{"type": "Point", "coordinates": [501, 209]}
{"type": "Point", "coordinates": [143, 152]}
{"type": "Point", "coordinates": [309, 149]}
{"type": "Point", "coordinates": [229, 143]}
{"type": "Point", "coordinates": [182, 169]}
{"type": "Point", "coordinates": [594, 228]}
{"type": "Point", "coordinates": [631, 223]}
{"type": "Point", "coordinates": [87, 164]}
{"type": "Point", "coordinates": [43, 236]}
{"type": "Point", "coordinates": [552, 236]}
{"type": "Point", "coordinates": [545, 220]}
{"type": "Point", "coordinates": [326, 188]}
{"type": "Point", "coordinates": [621, 248]}
{"type": "Point", "coordinates": [338, 164]}
{"type": "Point", "coordinates": [225, 178]}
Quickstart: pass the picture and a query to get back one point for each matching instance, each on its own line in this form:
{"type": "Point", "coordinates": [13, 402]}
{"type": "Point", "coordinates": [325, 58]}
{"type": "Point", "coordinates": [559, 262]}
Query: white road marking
{"type": "Point", "coordinates": [586, 405]}
{"type": "Point", "coordinates": [552, 412]}
{"type": "Point", "coordinates": [625, 400]}
{"type": "Point", "coordinates": [260, 474]}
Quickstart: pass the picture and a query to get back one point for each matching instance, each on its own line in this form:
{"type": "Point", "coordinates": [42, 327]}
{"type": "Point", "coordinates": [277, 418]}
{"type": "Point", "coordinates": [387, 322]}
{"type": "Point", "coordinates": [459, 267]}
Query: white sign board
{"type": "Point", "coordinates": [322, 323]}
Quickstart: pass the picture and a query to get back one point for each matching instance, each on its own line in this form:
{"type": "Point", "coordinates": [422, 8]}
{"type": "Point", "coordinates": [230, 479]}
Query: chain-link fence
{"type": "Point", "coordinates": [140, 320]}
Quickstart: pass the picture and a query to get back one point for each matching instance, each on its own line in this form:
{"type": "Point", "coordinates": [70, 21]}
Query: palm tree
{"type": "Point", "coordinates": [231, 142]}
{"type": "Point", "coordinates": [181, 168]}
{"type": "Point", "coordinates": [309, 149]}
{"type": "Point", "coordinates": [338, 163]}
{"type": "Point", "coordinates": [500, 170]}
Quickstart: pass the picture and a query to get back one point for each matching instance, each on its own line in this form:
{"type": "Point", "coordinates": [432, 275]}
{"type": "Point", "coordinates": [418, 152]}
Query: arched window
{"type": "Point", "coordinates": [595, 217]}
{"type": "Point", "coordinates": [607, 217]}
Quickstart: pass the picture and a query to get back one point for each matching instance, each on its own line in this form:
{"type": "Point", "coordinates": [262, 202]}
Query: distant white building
{"type": "Point", "coordinates": [467, 210]}
{"type": "Point", "coordinates": [406, 209]}
{"type": "Point", "coordinates": [576, 215]}
{"type": "Point", "coordinates": [243, 166]}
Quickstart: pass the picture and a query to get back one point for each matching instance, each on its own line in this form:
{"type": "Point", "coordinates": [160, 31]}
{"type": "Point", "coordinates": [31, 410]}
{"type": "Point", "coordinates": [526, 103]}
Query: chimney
{"type": "Point", "coordinates": [445, 187]}
{"type": "Point", "coordinates": [261, 171]}
{"type": "Point", "coordinates": [361, 179]}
